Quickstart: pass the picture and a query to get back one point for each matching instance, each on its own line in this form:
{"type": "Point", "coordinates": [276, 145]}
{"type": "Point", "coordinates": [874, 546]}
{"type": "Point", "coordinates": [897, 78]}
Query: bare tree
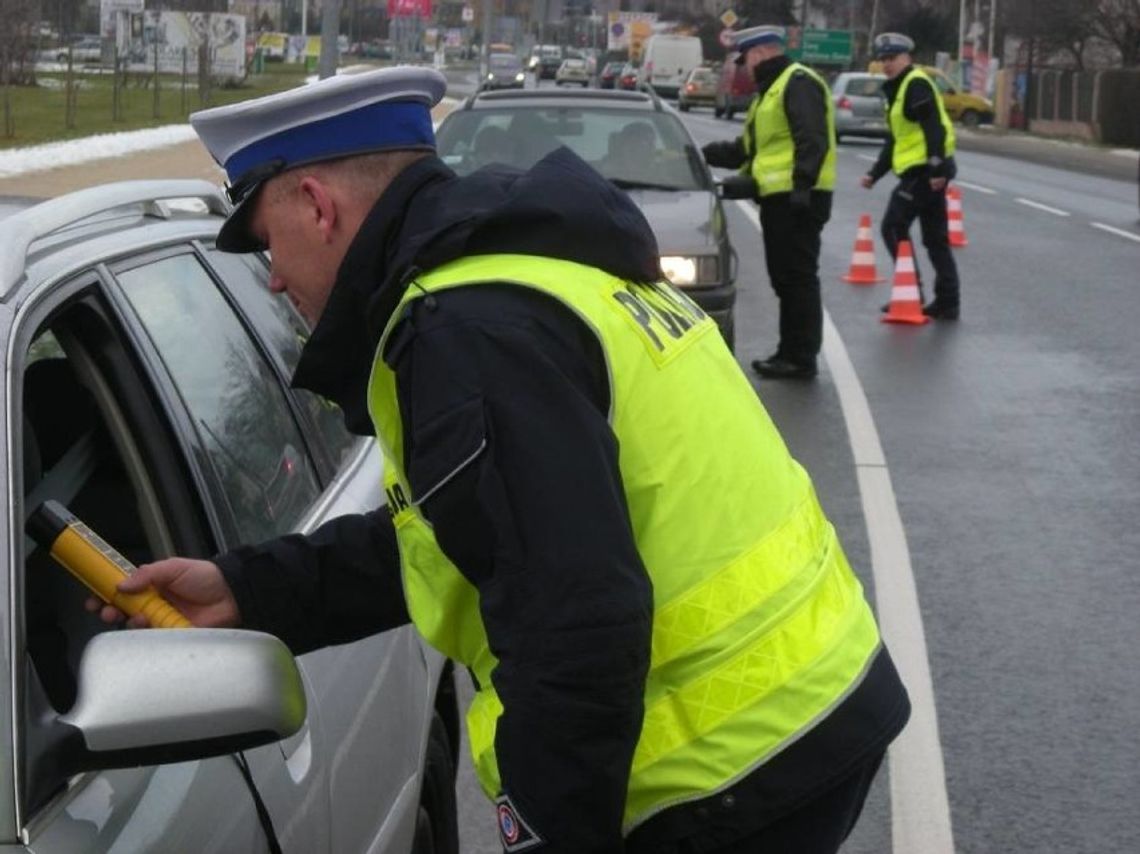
{"type": "Point", "coordinates": [1118, 22]}
{"type": "Point", "coordinates": [19, 32]}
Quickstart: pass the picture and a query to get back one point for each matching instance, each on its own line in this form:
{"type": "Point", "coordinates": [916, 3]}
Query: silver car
{"type": "Point", "coordinates": [859, 105]}
{"type": "Point", "coordinates": [146, 389]}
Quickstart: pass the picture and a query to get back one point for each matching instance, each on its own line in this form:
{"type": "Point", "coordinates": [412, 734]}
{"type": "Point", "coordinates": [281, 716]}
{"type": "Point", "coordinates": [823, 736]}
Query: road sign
{"type": "Point", "coordinates": [729, 18]}
{"type": "Point", "coordinates": [727, 37]}
{"type": "Point", "coordinates": [826, 47]}
{"type": "Point", "coordinates": [468, 14]}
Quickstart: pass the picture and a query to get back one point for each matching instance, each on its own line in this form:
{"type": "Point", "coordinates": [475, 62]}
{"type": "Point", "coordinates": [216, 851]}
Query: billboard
{"type": "Point", "coordinates": [172, 35]}
{"type": "Point", "coordinates": [629, 30]}
{"type": "Point", "coordinates": [409, 9]}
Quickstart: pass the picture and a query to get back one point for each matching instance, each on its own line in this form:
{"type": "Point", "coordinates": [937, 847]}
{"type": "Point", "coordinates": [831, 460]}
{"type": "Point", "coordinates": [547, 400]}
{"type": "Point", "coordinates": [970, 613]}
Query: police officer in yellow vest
{"type": "Point", "coordinates": [920, 151]}
{"type": "Point", "coordinates": [588, 507]}
{"type": "Point", "coordinates": [786, 157]}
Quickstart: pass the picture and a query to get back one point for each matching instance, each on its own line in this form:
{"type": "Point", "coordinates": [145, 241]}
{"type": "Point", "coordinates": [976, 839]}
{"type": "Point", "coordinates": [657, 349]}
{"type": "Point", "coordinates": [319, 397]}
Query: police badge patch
{"type": "Point", "coordinates": [514, 833]}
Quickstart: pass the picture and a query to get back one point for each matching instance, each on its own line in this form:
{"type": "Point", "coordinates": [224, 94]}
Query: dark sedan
{"type": "Point", "coordinates": [609, 76]}
{"type": "Point", "coordinates": [504, 71]}
{"type": "Point", "coordinates": [630, 138]}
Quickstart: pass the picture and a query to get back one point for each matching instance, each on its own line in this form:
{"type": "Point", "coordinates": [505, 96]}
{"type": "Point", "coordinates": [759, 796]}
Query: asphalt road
{"type": "Point", "coordinates": [1009, 441]}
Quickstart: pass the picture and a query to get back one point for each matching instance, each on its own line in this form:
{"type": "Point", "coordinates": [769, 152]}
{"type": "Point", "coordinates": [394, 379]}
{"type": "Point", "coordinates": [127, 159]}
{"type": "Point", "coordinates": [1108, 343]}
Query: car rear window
{"type": "Point", "coordinates": [867, 87]}
{"type": "Point", "coordinates": [622, 144]}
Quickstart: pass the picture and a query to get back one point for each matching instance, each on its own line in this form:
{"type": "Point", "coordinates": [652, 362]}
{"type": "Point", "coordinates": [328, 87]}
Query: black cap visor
{"type": "Point", "coordinates": [235, 235]}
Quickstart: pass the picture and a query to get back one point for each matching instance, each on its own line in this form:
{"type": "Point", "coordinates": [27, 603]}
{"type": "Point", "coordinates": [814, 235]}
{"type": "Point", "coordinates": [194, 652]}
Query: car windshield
{"type": "Point", "coordinates": [504, 62]}
{"type": "Point", "coordinates": [633, 148]}
{"type": "Point", "coordinates": [703, 75]}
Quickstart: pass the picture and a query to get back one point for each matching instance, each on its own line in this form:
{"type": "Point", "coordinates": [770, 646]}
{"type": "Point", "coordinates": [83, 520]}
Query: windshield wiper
{"type": "Point", "coordinates": [626, 184]}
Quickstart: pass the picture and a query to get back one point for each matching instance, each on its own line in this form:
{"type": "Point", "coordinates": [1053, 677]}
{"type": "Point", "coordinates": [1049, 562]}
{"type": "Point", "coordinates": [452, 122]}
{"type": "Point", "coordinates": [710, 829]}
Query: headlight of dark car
{"type": "Point", "coordinates": [687, 271]}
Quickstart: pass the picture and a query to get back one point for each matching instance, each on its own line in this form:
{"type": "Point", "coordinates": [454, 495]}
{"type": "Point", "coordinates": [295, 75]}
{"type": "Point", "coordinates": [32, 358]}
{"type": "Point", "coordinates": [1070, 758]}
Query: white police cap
{"type": "Point", "coordinates": [744, 39]}
{"type": "Point", "coordinates": [889, 44]}
{"type": "Point", "coordinates": [387, 109]}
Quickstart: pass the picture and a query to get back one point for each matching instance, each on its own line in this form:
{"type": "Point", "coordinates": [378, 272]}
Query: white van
{"type": "Point", "coordinates": [667, 61]}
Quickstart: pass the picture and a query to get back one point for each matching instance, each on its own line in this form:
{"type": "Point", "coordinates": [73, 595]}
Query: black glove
{"type": "Point", "coordinates": [800, 200]}
{"type": "Point", "coordinates": [738, 187]}
{"type": "Point", "coordinates": [724, 154]}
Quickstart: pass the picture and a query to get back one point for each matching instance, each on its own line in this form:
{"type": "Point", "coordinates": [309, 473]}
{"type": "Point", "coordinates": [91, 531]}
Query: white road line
{"type": "Point", "coordinates": [1118, 231]}
{"type": "Point", "coordinates": [1041, 207]}
{"type": "Point", "coordinates": [867, 157]}
{"type": "Point", "coordinates": [977, 188]}
{"type": "Point", "coordinates": [920, 806]}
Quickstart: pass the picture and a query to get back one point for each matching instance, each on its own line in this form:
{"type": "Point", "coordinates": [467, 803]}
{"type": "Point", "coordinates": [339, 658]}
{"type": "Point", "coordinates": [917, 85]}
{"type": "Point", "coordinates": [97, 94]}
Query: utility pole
{"type": "Point", "coordinates": [330, 32]}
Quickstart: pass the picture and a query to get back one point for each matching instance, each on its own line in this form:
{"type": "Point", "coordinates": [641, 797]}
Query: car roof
{"type": "Point", "coordinates": [98, 212]}
{"type": "Point", "coordinates": [531, 98]}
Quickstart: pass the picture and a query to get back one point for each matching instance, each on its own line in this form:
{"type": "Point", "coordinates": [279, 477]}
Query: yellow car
{"type": "Point", "coordinates": [965, 107]}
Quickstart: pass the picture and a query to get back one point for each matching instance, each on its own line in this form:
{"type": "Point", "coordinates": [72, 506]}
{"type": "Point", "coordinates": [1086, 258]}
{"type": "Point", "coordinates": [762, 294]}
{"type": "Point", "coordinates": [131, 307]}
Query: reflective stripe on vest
{"type": "Point", "coordinates": [909, 141]}
{"type": "Point", "coordinates": [767, 129]}
{"type": "Point", "coordinates": [759, 628]}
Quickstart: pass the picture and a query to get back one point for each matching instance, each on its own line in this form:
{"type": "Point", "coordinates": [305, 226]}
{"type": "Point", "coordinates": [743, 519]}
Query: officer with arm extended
{"type": "Point", "coordinates": [655, 667]}
{"type": "Point", "coordinates": [786, 158]}
{"type": "Point", "coordinates": [920, 151]}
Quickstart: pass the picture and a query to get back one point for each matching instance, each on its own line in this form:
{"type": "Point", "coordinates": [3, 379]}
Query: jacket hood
{"type": "Point", "coordinates": [560, 208]}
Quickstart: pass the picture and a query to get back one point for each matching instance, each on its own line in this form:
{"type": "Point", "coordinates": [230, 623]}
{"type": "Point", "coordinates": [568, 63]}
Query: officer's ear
{"type": "Point", "coordinates": [318, 206]}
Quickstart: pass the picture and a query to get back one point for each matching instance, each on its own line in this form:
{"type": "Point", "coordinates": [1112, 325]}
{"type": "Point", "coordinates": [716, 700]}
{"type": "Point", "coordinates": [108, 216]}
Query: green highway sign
{"type": "Point", "coordinates": [826, 47]}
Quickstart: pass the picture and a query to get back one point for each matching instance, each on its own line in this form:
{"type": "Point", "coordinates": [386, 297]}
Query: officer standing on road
{"type": "Point", "coordinates": [920, 150]}
{"type": "Point", "coordinates": [787, 162]}
{"type": "Point", "coordinates": [587, 505]}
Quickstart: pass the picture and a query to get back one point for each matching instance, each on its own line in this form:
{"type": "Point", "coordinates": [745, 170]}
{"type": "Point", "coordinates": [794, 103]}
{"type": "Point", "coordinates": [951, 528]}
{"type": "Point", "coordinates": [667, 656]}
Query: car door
{"type": "Point", "coordinates": [88, 412]}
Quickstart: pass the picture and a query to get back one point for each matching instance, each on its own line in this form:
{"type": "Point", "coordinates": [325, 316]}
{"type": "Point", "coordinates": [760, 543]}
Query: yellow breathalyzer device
{"type": "Point", "coordinates": [89, 558]}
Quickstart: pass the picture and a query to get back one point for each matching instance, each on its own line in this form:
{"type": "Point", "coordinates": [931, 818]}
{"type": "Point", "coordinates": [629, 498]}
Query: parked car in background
{"type": "Point", "coordinates": [635, 141]}
{"type": "Point", "coordinates": [628, 77]}
{"type": "Point", "coordinates": [546, 61]}
{"type": "Point", "coordinates": [85, 50]}
{"type": "Point", "coordinates": [859, 104]}
{"type": "Point", "coordinates": [609, 77]}
{"type": "Point", "coordinates": [504, 71]}
{"type": "Point", "coordinates": [667, 60]}
{"type": "Point", "coordinates": [148, 391]}
{"type": "Point", "coordinates": [734, 89]}
{"type": "Point", "coordinates": [965, 107]}
{"type": "Point", "coordinates": [699, 89]}
{"type": "Point", "coordinates": [573, 71]}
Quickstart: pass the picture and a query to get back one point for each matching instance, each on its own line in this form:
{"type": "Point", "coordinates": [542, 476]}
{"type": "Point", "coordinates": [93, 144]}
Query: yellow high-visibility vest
{"type": "Point", "coordinates": [909, 142]}
{"type": "Point", "coordinates": [774, 157]}
{"type": "Point", "coordinates": [759, 628]}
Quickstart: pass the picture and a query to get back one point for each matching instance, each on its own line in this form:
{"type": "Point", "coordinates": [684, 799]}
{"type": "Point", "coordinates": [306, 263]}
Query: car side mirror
{"type": "Point", "coordinates": [149, 697]}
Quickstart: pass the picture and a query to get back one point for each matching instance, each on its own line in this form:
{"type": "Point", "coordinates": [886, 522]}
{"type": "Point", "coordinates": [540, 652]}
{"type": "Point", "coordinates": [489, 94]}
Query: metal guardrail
{"type": "Point", "coordinates": [19, 231]}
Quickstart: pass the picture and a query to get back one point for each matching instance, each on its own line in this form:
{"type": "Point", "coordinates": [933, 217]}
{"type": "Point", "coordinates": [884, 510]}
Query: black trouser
{"type": "Point", "coordinates": [791, 251]}
{"type": "Point", "coordinates": [913, 198]}
{"type": "Point", "coordinates": [817, 827]}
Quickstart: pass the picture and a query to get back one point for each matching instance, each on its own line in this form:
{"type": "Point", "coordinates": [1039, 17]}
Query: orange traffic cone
{"type": "Point", "coordinates": [862, 271]}
{"type": "Point", "coordinates": [954, 217]}
{"type": "Point", "coordinates": [905, 305]}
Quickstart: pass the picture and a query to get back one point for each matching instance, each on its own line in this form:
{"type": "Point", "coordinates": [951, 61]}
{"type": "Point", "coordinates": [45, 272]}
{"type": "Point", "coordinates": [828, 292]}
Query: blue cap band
{"type": "Point", "coordinates": [382, 126]}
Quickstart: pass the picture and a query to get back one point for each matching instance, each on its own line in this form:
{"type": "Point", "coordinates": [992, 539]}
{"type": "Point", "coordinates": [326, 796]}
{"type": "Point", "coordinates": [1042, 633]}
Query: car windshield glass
{"type": "Point", "coordinates": [867, 87]}
{"type": "Point", "coordinates": [504, 63]}
{"type": "Point", "coordinates": [703, 75]}
{"type": "Point", "coordinates": [633, 146]}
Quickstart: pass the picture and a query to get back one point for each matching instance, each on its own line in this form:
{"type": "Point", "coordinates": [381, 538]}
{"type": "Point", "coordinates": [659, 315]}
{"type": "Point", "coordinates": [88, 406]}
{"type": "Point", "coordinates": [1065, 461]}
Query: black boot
{"type": "Point", "coordinates": [781, 368]}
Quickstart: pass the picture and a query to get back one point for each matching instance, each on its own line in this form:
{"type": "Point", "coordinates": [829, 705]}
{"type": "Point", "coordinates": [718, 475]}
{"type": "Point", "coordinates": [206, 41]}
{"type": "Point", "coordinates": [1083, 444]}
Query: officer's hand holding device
{"type": "Point", "coordinates": [90, 559]}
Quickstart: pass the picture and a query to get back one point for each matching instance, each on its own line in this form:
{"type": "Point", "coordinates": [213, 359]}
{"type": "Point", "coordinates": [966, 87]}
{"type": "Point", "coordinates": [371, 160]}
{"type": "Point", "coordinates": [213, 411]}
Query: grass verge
{"type": "Point", "coordinates": [38, 114]}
